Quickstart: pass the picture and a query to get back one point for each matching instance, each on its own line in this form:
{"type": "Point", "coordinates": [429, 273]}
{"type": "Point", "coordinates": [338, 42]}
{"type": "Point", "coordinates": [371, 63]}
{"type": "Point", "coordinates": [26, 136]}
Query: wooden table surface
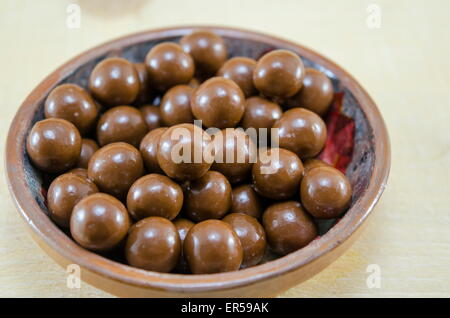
{"type": "Point", "coordinates": [398, 50]}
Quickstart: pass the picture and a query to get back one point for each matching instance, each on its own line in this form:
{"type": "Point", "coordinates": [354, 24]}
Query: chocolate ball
{"type": "Point", "coordinates": [183, 226]}
{"type": "Point", "coordinates": [312, 163]}
{"type": "Point", "coordinates": [325, 192]}
{"type": "Point", "coordinates": [235, 154]}
{"type": "Point", "coordinates": [88, 147]}
{"type": "Point", "coordinates": [168, 65]}
{"type": "Point", "coordinates": [212, 247]}
{"type": "Point", "coordinates": [208, 197]}
{"type": "Point", "coordinates": [218, 102]}
{"type": "Point", "coordinates": [121, 123]}
{"type": "Point", "coordinates": [114, 81]}
{"type": "Point", "coordinates": [115, 167]}
{"type": "Point", "coordinates": [153, 244]}
{"type": "Point", "coordinates": [288, 227]}
{"type": "Point", "coordinates": [260, 113]}
{"type": "Point", "coordinates": [252, 237]}
{"type": "Point", "coordinates": [279, 73]}
{"type": "Point", "coordinates": [54, 145]}
{"type": "Point", "coordinates": [149, 149]}
{"type": "Point", "coordinates": [302, 132]}
{"type": "Point", "coordinates": [74, 104]}
{"type": "Point", "coordinates": [154, 195]}
{"type": "Point", "coordinates": [99, 222]}
{"type": "Point", "coordinates": [176, 106]}
{"type": "Point", "coordinates": [178, 149]}
{"type": "Point", "coordinates": [208, 50]}
{"type": "Point", "coordinates": [152, 116]}
{"type": "Point", "coordinates": [245, 200]}
{"type": "Point", "coordinates": [278, 177]}
{"type": "Point", "coordinates": [64, 193]}
{"type": "Point", "coordinates": [145, 93]}
{"type": "Point", "coordinates": [82, 172]}
{"type": "Point", "coordinates": [316, 93]}
{"type": "Point", "coordinates": [240, 70]}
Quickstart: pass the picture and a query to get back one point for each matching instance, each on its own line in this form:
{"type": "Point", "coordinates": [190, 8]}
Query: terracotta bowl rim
{"type": "Point", "coordinates": [66, 247]}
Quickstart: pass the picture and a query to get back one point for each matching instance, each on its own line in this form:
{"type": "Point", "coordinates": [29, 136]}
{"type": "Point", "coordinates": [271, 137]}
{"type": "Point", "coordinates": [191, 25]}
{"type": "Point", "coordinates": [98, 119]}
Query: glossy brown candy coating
{"type": "Point", "coordinates": [74, 104]}
{"type": "Point", "coordinates": [115, 167]}
{"type": "Point", "coordinates": [168, 65]}
{"type": "Point", "coordinates": [64, 193]}
{"type": "Point", "coordinates": [114, 81]}
{"type": "Point", "coordinates": [208, 197]}
{"type": "Point", "coordinates": [99, 222]}
{"type": "Point", "coordinates": [218, 102]}
{"type": "Point", "coordinates": [54, 145]}
{"type": "Point", "coordinates": [252, 237]}
{"type": "Point", "coordinates": [176, 106]}
{"type": "Point", "coordinates": [183, 226]}
{"type": "Point", "coordinates": [312, 163]}
{"type": "Point", "coordinates": [153, 244]}
{"type": "Point", "coordinates": [208, 50]}
{"type": "Point", "coordinates": [235, 153]}
{"type": "Point", "coordinates": [279, 73]}
{"type": "Point", "coordinates": [283, 180]}
{"type": "Point", "coordinates": [149, 149]}
{"type": "Point", "coordinates": [316, 93]}
{"type": "Point", "coordinates": [325, 192]}
{"type": "Point", "coordinates": [212, 247]}
{"type": "Point", "coordinates": [152, 116]}
{"type": "Point", "coordinates": [154, 195]}
{"type": "Point", "coordinates": [245, 200]}
{"type": "Point", "coordinates": [288, 227]}
{"type": "Point", "coordinates": [260, 113]}
{"type": "Point", "coordinates": [302, 132]}
{"type": "Point", "coordinates": [184, 138]}
{"type": "Point", "coordinates": [82, 172]}
{"type": "Point", "coordinates": [145, 91]}
{"type": "Point", "coordinates": [121, 124]}
{"type": "Point", "coordinates": [88, 147]}
{"type": "Point", "coordinates": [240, 70]}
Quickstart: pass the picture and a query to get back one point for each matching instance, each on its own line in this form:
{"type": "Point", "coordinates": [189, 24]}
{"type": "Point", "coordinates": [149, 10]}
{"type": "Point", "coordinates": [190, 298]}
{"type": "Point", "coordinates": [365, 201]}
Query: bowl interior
{"type": "Point", "coordinates": [359, 169]}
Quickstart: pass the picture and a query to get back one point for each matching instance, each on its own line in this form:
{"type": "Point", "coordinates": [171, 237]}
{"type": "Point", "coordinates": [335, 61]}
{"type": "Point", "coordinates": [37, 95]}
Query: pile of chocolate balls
{"type": "Point", "coordinates": [109, 151]}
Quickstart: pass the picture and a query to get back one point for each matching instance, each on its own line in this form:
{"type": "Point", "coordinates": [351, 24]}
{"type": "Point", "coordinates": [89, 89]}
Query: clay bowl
{"type": "Point", "coordinates": [368, 171]}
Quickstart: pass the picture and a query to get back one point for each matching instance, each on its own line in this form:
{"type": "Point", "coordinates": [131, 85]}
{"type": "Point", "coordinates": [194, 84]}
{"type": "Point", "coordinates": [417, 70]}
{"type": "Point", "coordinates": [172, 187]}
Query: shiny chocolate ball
{"type": "Point", "coordinates": [115, 167]}
{"type": "Point", "coordinates": [212, 247]}
{"type": "Point", "coordinates": [114, 81]}
{"type": "Point", "coordinates": [154, 195]}
{"type": "Point", "coordinates": [252, 237]}
{"type": "Point", "coordinates": [279, 73]}
{"type": "Point", "coordinates": [288, 227]}
{"type": "Point", "coordinates": [64, 193]}
{"type": "Point", "coordinates": [121, 124]}
{"type": "Point", "coordinates": [240, 70]}
{"type": "Point", "coordinates": [279, 176]}
{"type": "Point", "coordinates": [302, 132]}
{"type": "Point", "coordinates": [219, 103]}
{"type": "Point", "coordinates": [168, 65]}
{"type": "Point", "coordinates": [74, 104]}
{"type": "Point", "coordinates": [325, 192]}
{"type": "Point", "coordinates": [208, 50]}
{"type": "Point", "coordinates": [208, 197]}
{"type": "Point", "coordinates": [99, 222]}
{"type": "Point", "coordinates": [153, 244]}
{"type": "Point", "coordinates": [54, 145]}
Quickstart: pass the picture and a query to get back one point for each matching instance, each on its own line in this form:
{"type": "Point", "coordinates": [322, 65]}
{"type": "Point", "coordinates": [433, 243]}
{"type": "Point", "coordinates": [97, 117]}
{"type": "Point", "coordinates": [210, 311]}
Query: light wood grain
{"type": "Point", "coordinates": [404, 65]}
